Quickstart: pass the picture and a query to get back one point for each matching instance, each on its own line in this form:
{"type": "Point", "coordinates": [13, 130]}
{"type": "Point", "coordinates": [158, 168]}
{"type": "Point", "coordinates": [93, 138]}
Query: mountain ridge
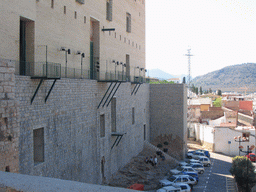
{"type": "Point", "coordinates": [230, 78]}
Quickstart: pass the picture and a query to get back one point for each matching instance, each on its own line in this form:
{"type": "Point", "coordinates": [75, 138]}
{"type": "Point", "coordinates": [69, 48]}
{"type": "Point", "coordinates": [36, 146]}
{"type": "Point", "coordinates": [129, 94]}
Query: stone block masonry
{"type": "Point", "coordinates": [9, 130]}
{"type": "Point", "coordinates": [168, 113]}
{"type": "Point", "coordinates": [70, 146]}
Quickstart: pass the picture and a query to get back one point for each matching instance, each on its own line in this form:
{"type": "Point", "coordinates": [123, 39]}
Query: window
{"type": "Point", "coordinates": [144, 132]}
{"type": "Point", "coordinates": [113, 114]}
{"type": "Point", "coordinates": [246, 136]}
{"type": "Point", "coordinates": [102, 125]}
{"type": "Point", "coordinates": [133, 115]}
{"type": "Point", "coordinates": [84, 19]}
{"type": "Point", "coordinates": [75, 15]}
{"type": "Point", "coordinates": [52, 4]}
{"type": "Point", "coordinates": [38, 139]}
{"type": "Point", "coordinates": [109, 10]}
{"type": "Point", "coordinates": [65, 9]}
{"type": "Point", "coordinates": [128, 23]}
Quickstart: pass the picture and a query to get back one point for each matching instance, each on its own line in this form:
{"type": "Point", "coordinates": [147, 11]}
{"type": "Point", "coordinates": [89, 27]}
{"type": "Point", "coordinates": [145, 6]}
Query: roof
{"type": "Point", "coordinates": [211, 114]}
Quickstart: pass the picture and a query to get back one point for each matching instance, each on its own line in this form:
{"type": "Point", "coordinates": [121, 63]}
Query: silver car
{"type": "Point", "coordinates": [205, 161]}
{"type": "Point", "coordinates": [197, 166]}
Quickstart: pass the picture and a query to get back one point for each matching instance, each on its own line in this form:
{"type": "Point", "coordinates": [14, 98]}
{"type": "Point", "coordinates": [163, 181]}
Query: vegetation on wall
{"type": "Point", "coordinates": [162, 82]}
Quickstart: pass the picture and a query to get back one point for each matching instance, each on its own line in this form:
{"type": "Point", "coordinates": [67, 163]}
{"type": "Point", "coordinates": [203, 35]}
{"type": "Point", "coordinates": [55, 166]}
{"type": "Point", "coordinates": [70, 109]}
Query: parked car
{"type": "Point", "coordinates": [184, 187]}
{"type": "Point", "coordinates": [205, 161]}
{"type": "Point", "coordinates": [190, 171]}
{"type": "Point", "coordinates": [195, 155]}
{"type": "Point", "coordinates": [207, 153]}
{"type": "Point", "coordinates": [191, 181]}
{"type": "Point", "coordinates": [251, 156]}
{"type": "Point", "coordinates": [194, 161]}
{"type": "Point", "coordinates": [198, 167]}
{"type": "Point", "coordinates": [169, 189]}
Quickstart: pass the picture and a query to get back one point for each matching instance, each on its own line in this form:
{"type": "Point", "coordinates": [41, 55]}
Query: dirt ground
{"type": "Point", "coordinates": [137, 171]}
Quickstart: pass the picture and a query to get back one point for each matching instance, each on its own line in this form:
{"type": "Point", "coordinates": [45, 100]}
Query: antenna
{"type": "Point", "coordinates": [189, 55]}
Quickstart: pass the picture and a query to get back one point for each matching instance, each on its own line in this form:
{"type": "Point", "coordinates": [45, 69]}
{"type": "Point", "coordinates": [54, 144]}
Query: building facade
{"type": "Point", "coordinates": [74, 103]}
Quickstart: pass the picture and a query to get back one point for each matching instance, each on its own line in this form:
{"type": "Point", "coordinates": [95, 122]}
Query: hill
{"type": "Point", "coordinates": [231, 78]}
{"type": "Point", "coordinates": [157, 73]}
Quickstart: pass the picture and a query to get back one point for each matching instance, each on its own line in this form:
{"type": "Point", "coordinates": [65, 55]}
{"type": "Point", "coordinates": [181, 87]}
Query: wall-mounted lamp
{"type": "Point", "coordinates": [113, 61]}
{"type": "Point", "coordinates": [78, 52]}
{"type": "Point", "coordinates": [67, 51]}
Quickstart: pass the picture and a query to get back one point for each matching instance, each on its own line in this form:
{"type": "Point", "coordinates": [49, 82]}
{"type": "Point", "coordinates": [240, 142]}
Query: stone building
{"type": "Point", "coordinates": [73, 99]}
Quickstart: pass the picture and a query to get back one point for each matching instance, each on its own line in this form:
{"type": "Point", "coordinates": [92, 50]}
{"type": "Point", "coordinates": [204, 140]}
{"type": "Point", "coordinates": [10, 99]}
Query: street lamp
{"type": "Point", "coordinates": [117, 63]}
{"type": "Point", "coordinates": [239, 139]}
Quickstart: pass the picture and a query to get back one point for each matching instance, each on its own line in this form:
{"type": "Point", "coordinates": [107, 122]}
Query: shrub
{"type": "Point", "coordinates": [166, 143]}
{"type": "Point", "coordinates": [159, 145]}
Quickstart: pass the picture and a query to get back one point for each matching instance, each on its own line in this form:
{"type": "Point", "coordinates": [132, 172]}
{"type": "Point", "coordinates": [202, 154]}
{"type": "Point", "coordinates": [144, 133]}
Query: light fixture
{"type": "Point", "coordinates": [78, 52]}
{"type": "Point", "coordinates": [82, 55]}
{"type": "Point", "coordinates": [63, 48]}
{"type": "Point", "coordinates": [113, 61]}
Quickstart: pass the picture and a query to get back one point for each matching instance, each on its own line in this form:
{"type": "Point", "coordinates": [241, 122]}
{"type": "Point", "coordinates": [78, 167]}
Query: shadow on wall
{"type": "Point", "coordinates": [170, 145]}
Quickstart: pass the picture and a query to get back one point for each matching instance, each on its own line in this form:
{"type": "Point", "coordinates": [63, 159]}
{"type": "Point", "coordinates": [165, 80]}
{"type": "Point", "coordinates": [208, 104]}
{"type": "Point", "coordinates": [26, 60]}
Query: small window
{"type": "Point", "coordinates": [133, 115]}
{"type": "Point", "coordinates": [128, 23]}
{"type": "Point", "coordinates": [120, 37]}
{"type": "Point", "coordinates": [75, 15]}
{"type": "Point", "coordinates": [102, 125]}
{"type": "Point", "coordinates": [113, 114]}
{"type": "Point", "coordinates": [109, 10]}
{"type": "Point", "coordinates": [124, 40]}
{"type": "Point", "coordinates": [52, 4]}
{"type": "Point", "coordinates": [115, 34]}
{"type": "Point", "coordinates": [38, 139]}
{"type": "Point", "coordinates": [84, 19]}
{"type": "Point", "coordinates": [65, 9]}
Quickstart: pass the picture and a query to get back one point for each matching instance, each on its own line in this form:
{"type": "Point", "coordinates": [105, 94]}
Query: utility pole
{"type": "Point", "coordinates": [189, 55]}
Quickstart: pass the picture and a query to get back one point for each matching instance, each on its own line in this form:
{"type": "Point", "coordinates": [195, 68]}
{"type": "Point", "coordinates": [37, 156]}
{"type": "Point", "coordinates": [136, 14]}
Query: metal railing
{"type": "Point", "coordinates": [55, 70]}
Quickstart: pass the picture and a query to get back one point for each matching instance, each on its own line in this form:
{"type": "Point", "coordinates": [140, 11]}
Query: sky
{"type": "Point", "coordinates": [219, 33]}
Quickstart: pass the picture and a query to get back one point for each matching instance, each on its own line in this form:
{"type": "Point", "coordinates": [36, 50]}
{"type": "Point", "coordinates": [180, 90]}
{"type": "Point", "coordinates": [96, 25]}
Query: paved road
{"type": "Point", "coordinates": [216, 178]}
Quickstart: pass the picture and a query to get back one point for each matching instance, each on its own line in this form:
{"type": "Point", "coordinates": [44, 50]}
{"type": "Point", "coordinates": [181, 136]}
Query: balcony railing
{"type": "Point", "coordinates": [55, 70]}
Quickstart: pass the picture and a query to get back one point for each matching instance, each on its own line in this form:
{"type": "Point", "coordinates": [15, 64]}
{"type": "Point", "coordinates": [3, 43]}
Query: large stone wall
{"type": "Point", "coordinates": [9, 131]}
{"type": "Point", "coordinates": [168, 113]}
{"type": "Point", "coordinates": [73, 147]}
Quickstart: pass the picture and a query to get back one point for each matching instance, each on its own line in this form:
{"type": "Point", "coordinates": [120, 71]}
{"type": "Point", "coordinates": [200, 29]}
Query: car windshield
{"type": "Point", "coordinates": [171, 179]}
{"type": "Point", "coordinates": [252, 155]}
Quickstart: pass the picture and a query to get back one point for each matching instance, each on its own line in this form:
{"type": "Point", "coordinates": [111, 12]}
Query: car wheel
{"type": "Point", "coordinates": [191, 186]}
{"type": "Point", "coordinates": [189, 157]}
{"type": "Point", "coordinates": [209, 165]}
{"type": "Point", "coordinates": [201, 172]}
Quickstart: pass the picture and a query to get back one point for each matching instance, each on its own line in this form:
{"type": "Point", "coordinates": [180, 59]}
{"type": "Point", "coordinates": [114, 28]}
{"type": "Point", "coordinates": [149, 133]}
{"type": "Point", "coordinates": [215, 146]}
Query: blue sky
{"type": "Point", "coordinates": [219, 32]}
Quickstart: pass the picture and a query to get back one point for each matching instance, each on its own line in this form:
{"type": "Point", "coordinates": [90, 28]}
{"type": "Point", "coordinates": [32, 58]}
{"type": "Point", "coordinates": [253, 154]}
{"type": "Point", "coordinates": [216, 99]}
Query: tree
{"type": "Point", "coordinates": [243, 170]}
{"type": "Point", "coordinates": [196, 90]}
{"type": "Point", "coordinates": [217, 102]}
{"type": "Point", "coordinates": [210, 90]}
{"type": "Point", "coordinates": [219, 92]}
{"type": "Point", "coordinates": [201, 90]}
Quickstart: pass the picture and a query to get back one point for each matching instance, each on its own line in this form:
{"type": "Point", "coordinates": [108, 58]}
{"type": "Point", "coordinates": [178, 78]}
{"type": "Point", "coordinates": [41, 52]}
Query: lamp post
{"type": "Point", "coordinates": [117, 63]}
{"type": "Point", "coordinates": [123, 65]}
{"type": "Point", "coordinates": [82, 56]}
{"type": "Point", "coordinates": [67, 51]}
{"type": "Point", "coordinates": [239, 139]}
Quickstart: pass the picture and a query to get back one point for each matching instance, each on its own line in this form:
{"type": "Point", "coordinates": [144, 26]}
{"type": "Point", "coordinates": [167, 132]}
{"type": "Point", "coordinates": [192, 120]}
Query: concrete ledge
{"type": "Point", "coordinates": [28, 183]}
